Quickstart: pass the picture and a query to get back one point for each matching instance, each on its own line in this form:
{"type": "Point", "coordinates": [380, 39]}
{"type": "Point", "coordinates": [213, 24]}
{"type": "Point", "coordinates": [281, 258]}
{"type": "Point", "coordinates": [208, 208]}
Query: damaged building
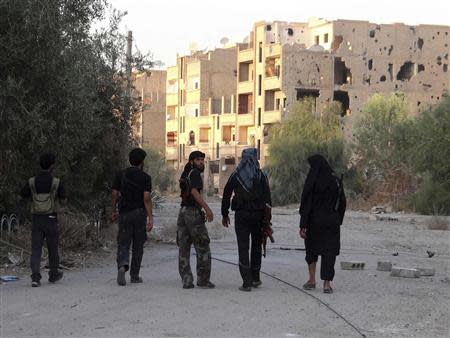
{"type": "Point", "coordinates": [341, 60]}
{"type": "Point", "coordinates": [280, 63]}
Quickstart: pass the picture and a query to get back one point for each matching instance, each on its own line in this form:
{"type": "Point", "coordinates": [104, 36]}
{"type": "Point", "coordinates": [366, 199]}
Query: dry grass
{"type": "Point", "coordinates": [439, 223]}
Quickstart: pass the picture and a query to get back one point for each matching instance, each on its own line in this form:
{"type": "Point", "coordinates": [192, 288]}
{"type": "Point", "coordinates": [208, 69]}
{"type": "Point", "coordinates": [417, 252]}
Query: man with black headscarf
{"type": "Point", "coordinates": [191, 228]}
{"type": "Point", "coordinates": [251, 197]}
{"type": "Point", "coordinates": [322, 211]}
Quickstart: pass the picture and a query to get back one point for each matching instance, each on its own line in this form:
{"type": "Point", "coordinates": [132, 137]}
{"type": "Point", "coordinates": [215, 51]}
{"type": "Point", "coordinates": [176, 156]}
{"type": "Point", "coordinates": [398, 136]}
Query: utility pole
{"type": "Point", "coordinates": [128, 75]}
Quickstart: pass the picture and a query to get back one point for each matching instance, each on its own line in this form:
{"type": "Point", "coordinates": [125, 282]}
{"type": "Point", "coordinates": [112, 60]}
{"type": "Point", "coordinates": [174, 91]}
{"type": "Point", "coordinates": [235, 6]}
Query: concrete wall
{"type": "Point", "coordinates": [151, 87]}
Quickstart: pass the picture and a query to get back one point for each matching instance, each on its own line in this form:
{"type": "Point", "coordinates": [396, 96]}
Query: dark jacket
{"type": "Point", "coordinates": [243, 200]}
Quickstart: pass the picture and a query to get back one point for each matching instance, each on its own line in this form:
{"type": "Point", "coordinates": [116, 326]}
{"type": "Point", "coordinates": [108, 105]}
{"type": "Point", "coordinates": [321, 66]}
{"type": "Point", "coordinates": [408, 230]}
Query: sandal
{"type": "Point", "coordinates": [309, 286]}
{"type": "Point", "coordinates": [328, 290]}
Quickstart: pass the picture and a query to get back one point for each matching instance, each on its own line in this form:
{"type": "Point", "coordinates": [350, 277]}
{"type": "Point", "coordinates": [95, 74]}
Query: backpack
{"type": "Point", "coordinates": [185, 185]}
{"type": "Point", "coordinates": [43, 203]}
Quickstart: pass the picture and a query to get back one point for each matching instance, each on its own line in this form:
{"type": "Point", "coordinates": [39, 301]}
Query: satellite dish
{"type": "Point", "coordinates": [224, 41]}
{"type": "Point", "coordinates": [193, 46]}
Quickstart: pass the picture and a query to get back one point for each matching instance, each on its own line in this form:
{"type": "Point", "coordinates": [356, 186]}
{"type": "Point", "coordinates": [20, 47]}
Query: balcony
{"type": "Point", "coordinates": [245, 55]}
{"type": "Point", "coordinates": [228, 119]}
{"type": "Point", "coordinates": [272, 83]}
{"type": "Point", "coordinates": [193, 96]}
{"type": "Point", "coordinates": [273, 50]}
{"type": "Point", "coordinates": [246, 119]}
{"type": "Point", "coordinates": [171, 153]}
{"type": "Point", "coordinates": [245, 87]}
{"type": "Point", "coordinates": [273, 116]}
{"type": "Point", "coordinates": [172, 99]}
{"type": "Point", "coordinates": [171, 125]}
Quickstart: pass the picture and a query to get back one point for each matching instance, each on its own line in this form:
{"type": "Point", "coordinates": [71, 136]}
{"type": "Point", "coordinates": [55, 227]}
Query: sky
{"type": "Point", "coordinates": [168, 27]}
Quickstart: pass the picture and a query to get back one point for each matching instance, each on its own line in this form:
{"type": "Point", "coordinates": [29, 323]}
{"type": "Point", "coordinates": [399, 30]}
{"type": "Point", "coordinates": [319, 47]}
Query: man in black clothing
{"type": "Point", "coordinates": [134, 187]}
{"type": "Point", "coordinates": [43, 190]}
{"type": "Point", "coordinates": [251, 197]}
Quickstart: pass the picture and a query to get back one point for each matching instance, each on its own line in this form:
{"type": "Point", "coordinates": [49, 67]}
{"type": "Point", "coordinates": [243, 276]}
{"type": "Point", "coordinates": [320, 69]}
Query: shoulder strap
{"type": "Point", "coordinates": [32, 184]}
{"type": "Point", "coordinates": [55, 185]}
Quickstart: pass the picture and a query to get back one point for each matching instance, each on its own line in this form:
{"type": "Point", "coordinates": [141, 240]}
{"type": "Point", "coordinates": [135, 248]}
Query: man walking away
{"type": "Point", "coordinates": [251, 198]}
{"type": "Point", "coordinates": [44, 190]}
{"type": "Point", "coordinates": [134, 187]}
{"type": "Point", "coordinates": [191, 228]}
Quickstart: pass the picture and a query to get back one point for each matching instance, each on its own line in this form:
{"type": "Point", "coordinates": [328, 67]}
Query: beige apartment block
{"type": "Point", "coordinates": [200, 99]}
{"type": "Point", "coordinates": [150, 87]}
{"type": "Point", "coordinates": [342, 60]}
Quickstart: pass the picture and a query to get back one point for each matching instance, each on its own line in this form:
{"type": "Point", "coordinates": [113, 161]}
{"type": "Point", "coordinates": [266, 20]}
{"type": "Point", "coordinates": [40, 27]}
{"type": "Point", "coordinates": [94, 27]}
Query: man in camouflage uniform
{"type": "Point", "coordinates": [191, 228]}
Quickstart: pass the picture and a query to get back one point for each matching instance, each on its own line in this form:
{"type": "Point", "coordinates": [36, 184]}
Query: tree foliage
{"type": "Point", "coordinates": [62, 89]}
{"type": "Point", "coordinates": [430, 158]}
{"type": "Point", "coordinates": [304, 133]}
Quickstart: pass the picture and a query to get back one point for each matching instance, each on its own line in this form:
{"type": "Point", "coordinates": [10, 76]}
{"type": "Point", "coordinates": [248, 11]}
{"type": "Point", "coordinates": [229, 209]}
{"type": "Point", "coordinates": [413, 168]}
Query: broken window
{"type": "Point", "coordinates": [420, 43]}
{"type": "Point", "coordinates": [317, 39]}
{"type": "Point", "coordinates": [336, 42]}
{"type": "Point", "coordinates": [445, 67]}
{"type": "Point", "coordinates": [391, 71]}
{"type": "Point", "coordinates": [406, 71]}
{"type": "Point", "coordinates": [290, 31]}
{"type": "Point", "coordinates": [391, 48]}
{"type": "Point", "coordinates": [342, 74]}
{"type": "Point", "coordinates": [303, 94]}
{"type": "Point", "coordinates": [268, 28]}
{"type": "Point", "coordinates": [439, 61]}
{"type": "Point", "coordinates": [383, 78]}
{"type": "Point", "coordinates": [325, 38]}
{"type": "Point", "coordinates": [370, 64]}
{"type": "Point", "coordinates": [372, 33]}
{"type": "Point", "coordinates": [342, 97]}
{"type": "Point", "coordinates": [420, 68]}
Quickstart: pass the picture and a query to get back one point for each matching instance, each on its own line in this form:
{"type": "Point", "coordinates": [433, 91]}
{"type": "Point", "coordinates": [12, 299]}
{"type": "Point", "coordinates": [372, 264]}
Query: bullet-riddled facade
{"type": "Point", "coordinates": [342, 60]}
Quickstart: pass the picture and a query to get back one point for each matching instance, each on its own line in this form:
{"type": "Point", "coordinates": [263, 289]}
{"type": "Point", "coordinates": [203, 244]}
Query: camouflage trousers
{"type": "Point", "coordinates": [191, 229]}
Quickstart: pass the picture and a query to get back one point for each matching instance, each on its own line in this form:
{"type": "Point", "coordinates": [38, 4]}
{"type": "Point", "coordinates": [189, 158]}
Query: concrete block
{"type": "Point", "coordinates": [352, 265]}
{"type": "Point", "coordinates": [426, 271]}
{"type": "Point", "coordinates": [405, 272]}
{"type": "Point", "coordinates": [384, 266]}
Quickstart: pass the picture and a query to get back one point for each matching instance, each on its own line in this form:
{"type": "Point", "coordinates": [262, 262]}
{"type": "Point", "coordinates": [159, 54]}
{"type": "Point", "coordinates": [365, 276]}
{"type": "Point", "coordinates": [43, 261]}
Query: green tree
{"type": "Point", "coordinates": [430, 157]}
{"type": "Point", "coordinates": [382, 134]}
{"type": "Point", "coordinates": [304, 133]}
{"type": "Point", "coordinates": [62, 89]}
{"type": "Point", "coordinates": [162, 175]}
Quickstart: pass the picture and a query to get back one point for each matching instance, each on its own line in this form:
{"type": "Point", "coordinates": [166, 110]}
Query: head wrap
{"type": "Point", "coordinates": [196, 154]}
{"type": "Point", "coordinates": [248, 169]}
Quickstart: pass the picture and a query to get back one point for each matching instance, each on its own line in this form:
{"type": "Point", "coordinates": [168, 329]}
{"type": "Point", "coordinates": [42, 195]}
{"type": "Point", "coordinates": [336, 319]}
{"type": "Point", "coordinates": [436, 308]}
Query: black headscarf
{"type": "Point", "coordinates": [192, 156]}
{"type": "Point", "coordinates": [320, 176]}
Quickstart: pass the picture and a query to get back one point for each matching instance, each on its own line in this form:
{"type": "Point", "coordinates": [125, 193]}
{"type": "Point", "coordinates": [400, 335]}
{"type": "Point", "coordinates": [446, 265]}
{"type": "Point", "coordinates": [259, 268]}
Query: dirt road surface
{"type": "Point", "coordinates": [89, 303]}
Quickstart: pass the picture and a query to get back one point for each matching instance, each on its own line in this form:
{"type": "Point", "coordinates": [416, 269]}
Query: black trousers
{"type": "Point", "coordinates": [44, 227]}
{"type": "Point", "coordinates": [131, 232]}
{"type": "Point", "coordinates": [248, 224]}
{"type": "Point", "coordinates": [326, 264]}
